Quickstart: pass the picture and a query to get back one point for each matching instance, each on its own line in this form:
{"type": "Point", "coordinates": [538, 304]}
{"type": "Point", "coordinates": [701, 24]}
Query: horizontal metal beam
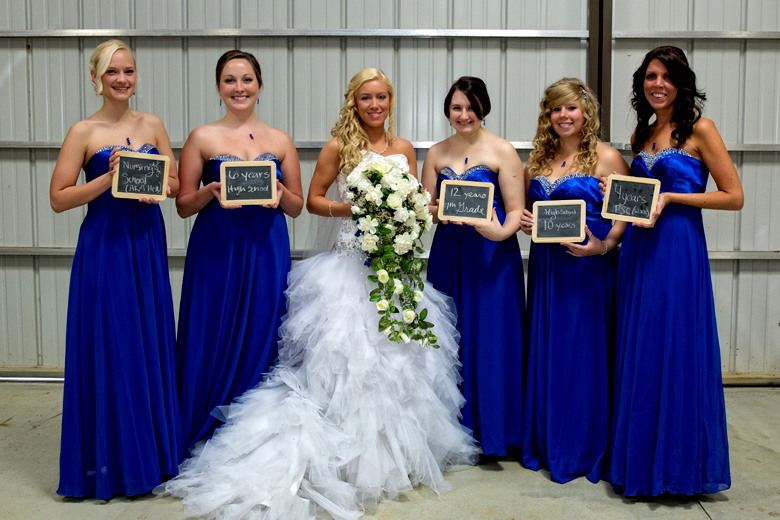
{"type": "Point", "coordinates": [418, 145]}
{"type": "Point", "coordinates": [696, 35]}
{"type": "Point", "coordinates": [298, 254]}
{"type": "Point", "coordinates": [297, 33]}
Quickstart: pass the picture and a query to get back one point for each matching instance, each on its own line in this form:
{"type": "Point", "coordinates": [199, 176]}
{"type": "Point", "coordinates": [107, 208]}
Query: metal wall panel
{"type": "Point", "coordinates": [45, 87]}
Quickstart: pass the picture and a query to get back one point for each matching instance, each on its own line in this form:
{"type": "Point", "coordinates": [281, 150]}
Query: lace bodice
{"type": "Point", "coordinates": [347, 243]}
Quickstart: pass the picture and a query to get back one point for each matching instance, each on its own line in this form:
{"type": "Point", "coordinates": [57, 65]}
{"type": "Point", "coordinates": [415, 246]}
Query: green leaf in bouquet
{"type": "Point", "coordinates": [389, 256]}
{"type": "Point", "coordinates": [421, 285]}
{"type": "Point", "coordinates": [419, 250]}
{"type": "Point", "coordinates": [375, 295]}
{"type": "Point", "coordinates": [373, 278]}
{"type": "Point", "coordinates": [423, 314]}
{"type": "Point", "coordinates": [383, 230]}
{"type": "Point", "coordinates": [384, 322]}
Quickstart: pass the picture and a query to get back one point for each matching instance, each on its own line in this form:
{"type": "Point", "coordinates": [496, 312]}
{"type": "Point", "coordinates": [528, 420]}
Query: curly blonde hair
{"type": "Point", "coordinates": [101, 59]}
{"type": "Point", "coordinates": [547, 143]}
{"type": "Point", "coordinates": [349, 130]}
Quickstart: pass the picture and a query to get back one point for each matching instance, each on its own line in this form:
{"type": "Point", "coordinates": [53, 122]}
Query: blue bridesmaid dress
{"type": "Point", "coordinates": [485, 278]}
{"type": "Point", "coordinates": [232, 303]}
{"type": "Point", "coordinates": [669, 420]}
{"type": "Point", "coordinates": [571, 344]}
{"type": "Point", "coordinates": [120, 412]}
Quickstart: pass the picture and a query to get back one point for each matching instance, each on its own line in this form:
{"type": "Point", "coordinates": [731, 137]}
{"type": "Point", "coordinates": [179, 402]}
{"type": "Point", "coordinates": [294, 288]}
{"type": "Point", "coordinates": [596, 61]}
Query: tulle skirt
{"type": "Point", "coordinates": [347, 418]}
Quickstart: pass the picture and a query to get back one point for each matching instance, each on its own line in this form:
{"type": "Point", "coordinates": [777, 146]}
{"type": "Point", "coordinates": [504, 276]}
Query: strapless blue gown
{"type": "Point", "coordinates": [120, 412]}
{"type": "Point", "coordinates": [571, 344]}
{"type": "Point", "coordinates": [670, 420]}
{"type": "Point", "coordinates": [485, 278]}
{"type": "Point", "coordinates": [232, 303]}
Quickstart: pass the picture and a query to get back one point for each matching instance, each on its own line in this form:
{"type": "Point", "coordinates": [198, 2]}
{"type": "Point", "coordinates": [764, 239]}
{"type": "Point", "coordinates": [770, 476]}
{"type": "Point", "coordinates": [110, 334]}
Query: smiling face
{"type": "Point", "coordinates": [119, 79]}
{"type": "Point", "coordinates": [462, 116]}
{"type": "Point", "coordinates": [567, 119]}
{"type": "Point", "coordinates": [659, 89]}
{"type": "Point", "coordinates": [238, 85]}
{"type": "Point", "coordinates": [372, 101]}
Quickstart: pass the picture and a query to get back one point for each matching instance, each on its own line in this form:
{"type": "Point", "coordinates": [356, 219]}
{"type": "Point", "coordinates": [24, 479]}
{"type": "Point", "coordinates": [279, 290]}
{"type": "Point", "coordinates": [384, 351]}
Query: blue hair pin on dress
{"type": "Point", "coordinates": [251, 136]}
{"type": "Point", "coordinates": [128, 141]}
{"type": "Point", "coordinates": [564, 164]}
{"type": "Point", "coordinates": [467, 160]}
{"type": "Point", "coordinates": [653, 148]}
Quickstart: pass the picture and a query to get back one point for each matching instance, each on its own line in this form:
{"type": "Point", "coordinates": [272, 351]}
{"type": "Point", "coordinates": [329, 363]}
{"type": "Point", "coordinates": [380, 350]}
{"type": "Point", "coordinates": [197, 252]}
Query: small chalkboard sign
{"type": "Point", "coordinates": [631, 199]}
{"type": "Point", "coordinates": [141, 176]}
{"type": "Point", "coordinates": [559, 221]}
{"type": "Point", "coordinates": [465, 201]}
{"type": "Point", "coordinates": [248, 182]}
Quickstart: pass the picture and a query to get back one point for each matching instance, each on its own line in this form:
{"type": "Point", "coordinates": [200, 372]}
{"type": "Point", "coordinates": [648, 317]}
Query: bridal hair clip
{"type": "Point", "coordinates": [584, 94]}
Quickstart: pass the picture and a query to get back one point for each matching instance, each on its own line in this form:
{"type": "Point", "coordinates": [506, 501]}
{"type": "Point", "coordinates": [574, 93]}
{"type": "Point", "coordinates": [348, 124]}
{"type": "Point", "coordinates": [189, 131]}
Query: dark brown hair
{"type": "Point", "coordinates": [236, 54]}
{"type": "Point", "coordinates": [688, 104]}
{"type": "Point", "coordinates": [476, 92]}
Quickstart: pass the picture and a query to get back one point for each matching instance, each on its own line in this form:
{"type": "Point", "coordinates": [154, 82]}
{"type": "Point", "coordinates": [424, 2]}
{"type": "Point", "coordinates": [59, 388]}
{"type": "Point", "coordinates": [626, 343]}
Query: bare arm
{"type": "Point", "coordinates": [527, 216]}
{"type": "Point", "coordinates": [64, 194]}
{"type": "Point", "coordinates": [324, 174]}
{"type": "Point", "coordinates": [192, 198]}
{"type": "Point", "coordinates": [291, 195]}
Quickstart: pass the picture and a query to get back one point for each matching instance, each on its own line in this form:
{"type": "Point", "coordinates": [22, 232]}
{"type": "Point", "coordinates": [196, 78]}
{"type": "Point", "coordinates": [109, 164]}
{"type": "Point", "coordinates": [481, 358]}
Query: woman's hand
{"type": "Point", "coordinates": [594, 246]}
{"type": "Point", "coordinates": [663, 200]}
{"type": "Point", "coordinates": [113, 163]}
{"type": "Point", "coordinates": [434, 211]}
{"type": "Point", "coordinates": [216, 191]}
{"type": "Point", "coordinates": [526, 222]}
{"type": "Point", "coordinates": [490, 229]}
{"type": "Point", "coordinates": [279, 193]}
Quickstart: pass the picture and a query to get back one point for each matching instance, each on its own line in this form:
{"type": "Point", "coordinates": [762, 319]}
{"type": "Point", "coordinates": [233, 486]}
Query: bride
{"type": "Point", "coordinates": [347, 418]}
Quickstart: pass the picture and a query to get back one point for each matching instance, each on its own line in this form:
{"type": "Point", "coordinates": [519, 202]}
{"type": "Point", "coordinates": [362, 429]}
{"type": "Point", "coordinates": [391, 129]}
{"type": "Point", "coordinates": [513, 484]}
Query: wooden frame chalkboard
{"type": "Point", "coordinates": [141, 176]}
{"type": "Point", "coordinates": [558, 221]}
{"type": "Point", "coordinates": [248, 182]}
{"type": "Point", "coordinates": [460, 199]}
{"type": "Point", "coordinates": [630, 199]}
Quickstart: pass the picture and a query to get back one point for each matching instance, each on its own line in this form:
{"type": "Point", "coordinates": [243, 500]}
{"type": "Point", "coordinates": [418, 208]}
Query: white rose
{"type": "Point", "coordinates": [416, 230]}
{"type": "Point", "coordinates": [412, 220]}
{"type": "Point", "coordinates": [428, 222]}
{"type": "Point", "coordinates": [386, 332]}
{"type": "Point", "coordinates": [418, 199]}
{"type": "Point", "coordinates": [390, 180]}
{"type": "Point", "coordinates": [381, 164]}
{"type": "Point", "coordinates": [374, 195]}
{"type": "Point", "coordinates": [368, 242]}
{"type": "Point", "coordinates": [394, 201]}
{"type": "Point", "coordinates": [367, 224]}
{"type": "Point", "coordinates": [413, 181]}
{"type": "Point", "coordinates": [383, 276]}
{"type": "Point", "coordinates": [422, 214]}
{"type": "Point", "coordinates": [418, 296]}
{"type": "Point", "coordinates": [355, 177]}
{"type": "Point", "coordinates": [392, 230]}
{"type": "Point", "coordinates": [403, 188]}
{"type": "Point", "coordinates": [409, 315]}
{"type": "Point", "coordinates": [427, 197]}
{"type": "Point", "coordinates": [423, 342]}
{"type": "Point", "coordinates": [351, 196]}
{"type": "Point", "coordinates": [399, 286]}
{"type": "Point", "coordinates": [356, 210]}
{"type": "Point", "coordinates": [403, 243]}
{"type": "Point", "coordinates": [382, 305]}
{"type": "Point", "coordinates": [363, 185]}
{"type": "Point", "coordinates": [401, 215]}
{"type": "Point", "coordinates": [405, 338]}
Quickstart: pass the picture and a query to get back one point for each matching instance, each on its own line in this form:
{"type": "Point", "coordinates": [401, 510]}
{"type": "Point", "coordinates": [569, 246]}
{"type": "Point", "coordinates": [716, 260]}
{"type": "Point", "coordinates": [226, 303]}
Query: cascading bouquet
{"type": "Point", "coordinates": [391, 209]}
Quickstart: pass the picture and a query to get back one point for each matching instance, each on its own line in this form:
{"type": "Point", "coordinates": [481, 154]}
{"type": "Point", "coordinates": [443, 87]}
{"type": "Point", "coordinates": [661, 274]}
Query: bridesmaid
{"type": "Point", "coordinates": [120, 412]}
{"type": "Point", "coordinates": [571, 293]}
{"type": "Point", "coordinates": [479, 265]}
{"type": "Point", "coordinates": [669, 422]}
{"type": "Point", "coordinates": [235, 273]}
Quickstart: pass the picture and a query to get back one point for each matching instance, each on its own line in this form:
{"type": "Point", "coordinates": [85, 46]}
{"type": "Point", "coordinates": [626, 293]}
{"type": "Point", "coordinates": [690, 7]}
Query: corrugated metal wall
{"type": "Point", "coordinates": [45, 88]}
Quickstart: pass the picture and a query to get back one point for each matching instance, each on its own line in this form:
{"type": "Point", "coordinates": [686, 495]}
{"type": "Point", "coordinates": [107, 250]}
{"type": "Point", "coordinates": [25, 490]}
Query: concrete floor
{"type": "Point", "coordinates": [30, 416]}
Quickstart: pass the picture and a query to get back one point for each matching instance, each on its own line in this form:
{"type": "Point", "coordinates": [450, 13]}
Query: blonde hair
{"type": "Point", "coordinates": [547, 143]}
{"type": "Point", "coordinates": [101, 59]}
{"type": "Point", "coordinates": [349, 131]}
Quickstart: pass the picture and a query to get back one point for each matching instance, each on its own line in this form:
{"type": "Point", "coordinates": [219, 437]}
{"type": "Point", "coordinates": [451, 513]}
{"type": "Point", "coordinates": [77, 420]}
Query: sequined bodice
{"type": "Point", "coordinates": [97, 165]}
{"type": "Point", "coordinates": [211, 168]}
{"type": "Point", "coordinates": [347, 243]}
{"type": "Point", "coordinates": [678, 171]}
{"type": "Point", "coordinates": [478, 173]}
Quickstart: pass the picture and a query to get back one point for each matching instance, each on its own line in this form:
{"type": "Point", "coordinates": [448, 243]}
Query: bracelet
{"type": "Point", "coordinates": [330, 206]}
{"type": "Point", "coordinates": [606, 248]}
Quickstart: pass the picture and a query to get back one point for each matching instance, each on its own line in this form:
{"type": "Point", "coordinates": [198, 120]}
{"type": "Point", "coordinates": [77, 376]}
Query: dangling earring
{"type": "Point", "coordinates": [220, 101]}
{"type": "Point", "coordinates": [134, 93]}
{"type": "Point", "coordinates": [450, 123]}
{"type": "Point", "coordinates": [483, 121]}
{"type": "Point", "coordinates": [257, 102]}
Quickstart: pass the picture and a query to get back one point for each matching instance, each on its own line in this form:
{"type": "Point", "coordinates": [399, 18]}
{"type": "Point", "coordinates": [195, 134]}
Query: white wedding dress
{"type": "Point", "coordinates": [346, 418]}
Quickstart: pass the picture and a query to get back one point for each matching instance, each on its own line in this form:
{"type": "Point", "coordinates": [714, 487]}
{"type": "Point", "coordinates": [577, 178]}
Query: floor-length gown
{"type": "Point", "coordinates": [232, 302]}
{"type": "Point", "coordinates": [120, 412]}
{"type": "Point", "coordinates": [669, 420]}
{"type": "Point", "coordinates": [347, 417]}
{"type": "Point", "coordinates": [485, 278]}
{"type": "Point", "coordinates": [571, 344]}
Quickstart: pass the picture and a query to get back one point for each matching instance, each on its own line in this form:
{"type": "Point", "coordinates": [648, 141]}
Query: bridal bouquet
{"type": "Point", "coordinates": [391, 210]}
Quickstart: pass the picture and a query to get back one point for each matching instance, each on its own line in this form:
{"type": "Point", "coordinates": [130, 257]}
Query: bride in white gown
{"type": "Point", "coordinates": [347, 418]}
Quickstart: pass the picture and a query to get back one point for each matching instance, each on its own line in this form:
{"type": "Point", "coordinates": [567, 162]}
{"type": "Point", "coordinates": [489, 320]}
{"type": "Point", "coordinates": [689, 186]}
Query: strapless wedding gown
{"type": "Point", "coordinates": [346, 418]}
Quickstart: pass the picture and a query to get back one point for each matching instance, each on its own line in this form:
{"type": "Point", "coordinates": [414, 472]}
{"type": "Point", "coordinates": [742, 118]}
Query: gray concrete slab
{"type": "Point", "coordinates": [30, 416]}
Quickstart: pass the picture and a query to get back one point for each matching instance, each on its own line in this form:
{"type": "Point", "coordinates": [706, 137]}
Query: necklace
{"type": "Point", "coordinates": [387, 143]}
